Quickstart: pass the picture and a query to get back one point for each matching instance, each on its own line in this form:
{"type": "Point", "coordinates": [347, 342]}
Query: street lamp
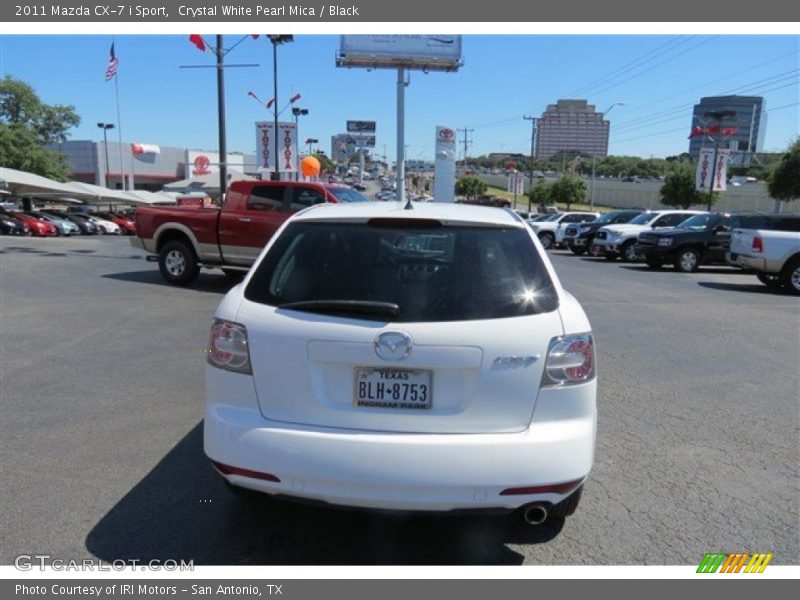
{"type": "Point", "coordinates": [310, 141]}
{"type": "Point", "coordinates": [276, 40]}
{"type": "Point", "coordinates": [594, 149]}
{"type": "Point", "coordinates": [105, 127]}
{"type": "Point", "coordinates": [298, 112]}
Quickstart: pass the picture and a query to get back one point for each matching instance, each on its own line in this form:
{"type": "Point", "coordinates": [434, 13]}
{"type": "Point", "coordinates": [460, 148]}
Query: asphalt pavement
{"type": "Point", "coordinates": [101, 406]}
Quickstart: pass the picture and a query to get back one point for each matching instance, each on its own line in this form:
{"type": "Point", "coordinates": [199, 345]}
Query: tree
{"type": "Point", "coordinates": [470, 187]}
{"type": "Point", "coordinates": [20, 150]}
{"type": "Point", "coordinates": [539, 194]}
{"type": "Point", "coordinates": [784, 181]}
{"type": "Point", "coordinates": [325, 163]}
{"type": "Point", "coordinates": [679, 191]}
{"type": "Point", "coordinates": [569, 190]}
{"type": "Point", "coordinates": [28, 126]}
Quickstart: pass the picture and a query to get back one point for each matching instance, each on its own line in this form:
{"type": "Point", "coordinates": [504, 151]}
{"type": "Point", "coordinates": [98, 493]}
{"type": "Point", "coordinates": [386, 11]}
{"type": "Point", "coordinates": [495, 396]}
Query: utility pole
{"type": "Point", "coordinates": [220, 52]}
{"type": "Point", "coordinates": [467, 142]}
{"type": "Point", "coordinates": [533, 150]}
{"type": "Point", "coordinates": [717, 116]}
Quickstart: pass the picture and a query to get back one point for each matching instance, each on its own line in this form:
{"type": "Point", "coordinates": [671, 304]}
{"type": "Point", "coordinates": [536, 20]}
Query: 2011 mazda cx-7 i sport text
{"type": "Point", "coordinates": [424, 359]}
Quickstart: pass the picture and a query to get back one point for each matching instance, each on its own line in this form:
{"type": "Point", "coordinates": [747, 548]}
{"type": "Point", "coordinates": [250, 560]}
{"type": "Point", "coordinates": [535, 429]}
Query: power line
{"type": "Point", "coordinates": [650, 135]}
{"type": "Point", "coordinates": [644, 59]}
{"type": "Point", "coordinates": [758, 86]}
{"type": "Point", "coordinates": [705, 84]}
{"type": "Point", "coordinates": [633, 64]}
{"type": "Point", "coordinates": [651, 68]}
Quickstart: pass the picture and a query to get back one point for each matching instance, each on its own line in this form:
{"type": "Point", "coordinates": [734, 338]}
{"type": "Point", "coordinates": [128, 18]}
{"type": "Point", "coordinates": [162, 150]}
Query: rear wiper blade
{"type": "Point", "coordinates": [364, 307]}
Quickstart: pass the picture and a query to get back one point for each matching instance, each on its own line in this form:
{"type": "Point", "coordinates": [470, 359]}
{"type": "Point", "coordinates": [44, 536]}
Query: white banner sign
{"type": "Point", "coordinates": [444, 183]}
{"type": "Point", "coordinates": [705, 165]}
{"type": "Point", "coordinates": [139, 149]}
{"type": "Point", "coordinates": [515, 183]}
{"type": "Point", "coordinates": [204, 162]}
{"type": "Point", "coordinates": [265, 146]}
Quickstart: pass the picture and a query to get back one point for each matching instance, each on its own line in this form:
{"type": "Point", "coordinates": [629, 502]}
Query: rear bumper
{"type": "Point", "coordinates": [400, 471]}
{"type": "Point", "coordinates": [755, 263]}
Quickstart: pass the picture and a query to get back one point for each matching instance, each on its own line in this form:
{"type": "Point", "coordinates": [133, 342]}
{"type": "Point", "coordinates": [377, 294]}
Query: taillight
{"type": "Point", "coordinates": [758, 244]}
{"type": "Point", "coordinates": [227, 347]}
{"type": "Point", "coordinates": [570, 360]}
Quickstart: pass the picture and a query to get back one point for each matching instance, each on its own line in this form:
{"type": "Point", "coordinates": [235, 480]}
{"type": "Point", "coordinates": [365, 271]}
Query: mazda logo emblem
{"type": "Point", "coordinates": [393, 346]}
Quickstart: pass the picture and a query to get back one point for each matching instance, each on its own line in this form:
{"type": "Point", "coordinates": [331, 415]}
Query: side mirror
{"type": "Point", "coordinates": [653, 226]}
{"type": "Point", "coordinates": [719, 229]}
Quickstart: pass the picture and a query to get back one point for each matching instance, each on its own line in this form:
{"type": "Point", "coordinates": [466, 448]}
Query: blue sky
{"type": "Point", "coordinates": [504, 77]}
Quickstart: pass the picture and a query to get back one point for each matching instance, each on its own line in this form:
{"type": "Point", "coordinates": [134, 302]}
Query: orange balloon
{"type": "Point", "coordinates": [310, 166]}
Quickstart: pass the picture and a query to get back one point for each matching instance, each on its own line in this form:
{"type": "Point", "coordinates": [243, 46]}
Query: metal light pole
{"type": "Point", "coordinates": [533, 149]}
{"type": "Point", "coordinates": [223, 145]}
{"type": "Point", "coordinates": [400, 175]}
{"type": "Point", "coordinates": [594, 150]}
{"type": "Point", "coordinates": [310, 141]}
{"type": "Point", "coordinates": [276, 40]}
{"type": "Point", "coordinates": [297, 112]}
{"type": "Point", "coordinates": [105, 127]}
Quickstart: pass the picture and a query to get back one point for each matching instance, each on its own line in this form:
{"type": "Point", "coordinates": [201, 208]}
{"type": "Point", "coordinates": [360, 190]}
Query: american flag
{"type": "Point", "coordinates": [113, 61]}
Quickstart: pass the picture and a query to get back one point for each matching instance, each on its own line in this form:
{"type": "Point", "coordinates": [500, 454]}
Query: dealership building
{"type": "Point", "coordinates": [148, 166]}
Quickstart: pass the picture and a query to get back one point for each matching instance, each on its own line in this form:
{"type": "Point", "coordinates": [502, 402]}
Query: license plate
{"type": "Point", "coordinates": [387, 387]}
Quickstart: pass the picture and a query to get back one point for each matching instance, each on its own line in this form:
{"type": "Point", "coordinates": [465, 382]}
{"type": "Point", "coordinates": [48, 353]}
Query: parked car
{"type": "Point", "coordinates": [579, 238]}
{"type": "Point", "coordinates": [771, 248]}
{"type": "Point", "coordinates": [231, 237]}
{"type": "Point", "coordinates": [551, 231]}
{"type": "Point", "coordinates": [83, 222]}
{"type": "Point", "coordinates": [613, 241]}
{"type": "Point", "coordinates": [105, 226]}
{"type": "Point", "coordinates": [699, 240]}
{"type": "Point", "coordinates": [359, 363]}
{"type": "Point", "coordinates": [126, 224]}
{"type": "Point", "coordinates": [63, 227]}
{"type": "Point", "coordinates": [12, 226]}
{"type": "Point", "coordinates": [39, 227]}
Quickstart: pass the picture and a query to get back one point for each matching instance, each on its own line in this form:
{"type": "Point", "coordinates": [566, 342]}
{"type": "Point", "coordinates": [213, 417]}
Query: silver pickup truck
{"type": "Point", "coordinates": [773, 251]}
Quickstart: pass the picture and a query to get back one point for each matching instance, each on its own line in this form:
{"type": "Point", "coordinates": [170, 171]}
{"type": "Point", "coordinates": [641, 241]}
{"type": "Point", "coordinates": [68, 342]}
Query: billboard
{"type": "Point", "coordinates": [444, 183]}
{"type": "Point", "coordinates": [426, 52]}
{"type": "Point", "coordinates": [361, 126]}
{"type": "Point", "coordinates": [341, 150]}
{"type": "Point", "coordinates": [361, 141]}
{"type": "Point", "coordinates": [265, 146]}
{"type": "Point", "coordinates": [705, 164]}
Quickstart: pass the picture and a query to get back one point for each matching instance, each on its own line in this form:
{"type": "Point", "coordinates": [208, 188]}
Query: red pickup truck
{"type": "Point", "coordinates": [184, 239]}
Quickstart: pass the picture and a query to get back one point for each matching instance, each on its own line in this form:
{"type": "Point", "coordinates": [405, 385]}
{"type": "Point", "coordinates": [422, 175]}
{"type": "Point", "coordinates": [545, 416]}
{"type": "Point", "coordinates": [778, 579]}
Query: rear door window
{"type": "Point", "coordinates": [267, 198]}
{"type": "Point", "coordinates": [432, 272]}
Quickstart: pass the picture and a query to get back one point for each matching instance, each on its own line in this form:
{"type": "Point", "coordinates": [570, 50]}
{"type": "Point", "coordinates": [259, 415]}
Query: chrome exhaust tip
{"type": "Point", "coordinates": [535, 514]}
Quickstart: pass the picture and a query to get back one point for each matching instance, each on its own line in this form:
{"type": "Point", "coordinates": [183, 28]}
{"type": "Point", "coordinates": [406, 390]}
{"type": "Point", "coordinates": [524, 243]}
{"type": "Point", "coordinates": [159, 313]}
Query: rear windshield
{"type": "Point", "coordinates": [432, 273]}
{"type": "Point", "coordinates": [771, 222]}
{"type": "Point", "coordinates": [344, 194]}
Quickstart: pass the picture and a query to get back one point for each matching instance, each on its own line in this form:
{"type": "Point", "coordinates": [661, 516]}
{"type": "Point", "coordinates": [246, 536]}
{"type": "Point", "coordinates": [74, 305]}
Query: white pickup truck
{"type": "Point", "coordinates": [772, 252]}
{"type": "Point", "coordinates": [551, 231]}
